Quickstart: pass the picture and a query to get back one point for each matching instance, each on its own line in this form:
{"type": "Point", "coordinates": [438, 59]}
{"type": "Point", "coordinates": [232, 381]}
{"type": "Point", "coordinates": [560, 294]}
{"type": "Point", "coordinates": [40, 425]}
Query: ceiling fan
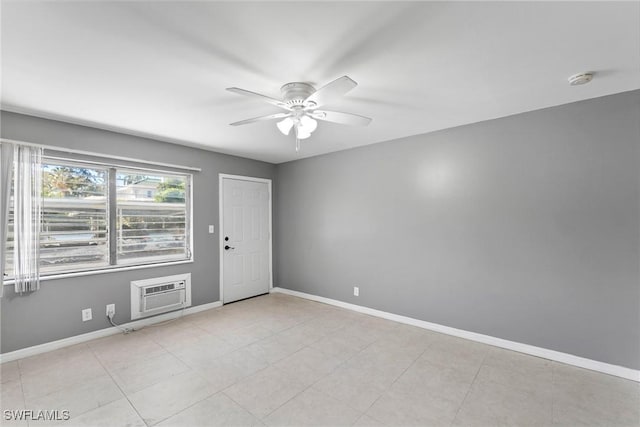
{"type": "Point", "coordinates": [301, 102]}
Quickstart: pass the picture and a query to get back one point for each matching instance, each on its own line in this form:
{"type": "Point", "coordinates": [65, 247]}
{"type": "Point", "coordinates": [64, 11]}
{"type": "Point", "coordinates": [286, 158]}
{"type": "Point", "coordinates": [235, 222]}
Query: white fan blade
{"type": "Point", "coordinates": [330, 93]}
{"type": "Point", "coordinates": [265, 98]}
{"type": "Point", "coordinates": [342, 118]}
{"type": "Point", "coordinates": [262, 118]}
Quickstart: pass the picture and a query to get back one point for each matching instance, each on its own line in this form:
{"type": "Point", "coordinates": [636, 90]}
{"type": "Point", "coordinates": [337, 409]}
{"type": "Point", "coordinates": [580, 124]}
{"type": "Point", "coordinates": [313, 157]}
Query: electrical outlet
{"type": "Point", "coordinates": [86, 314]}
{"type": "Point", "coordinates": [212, 229]}
{"type": "Point", "coordinates": [356, 291]}
{"type": "Point", "coordinates": [111, 310]}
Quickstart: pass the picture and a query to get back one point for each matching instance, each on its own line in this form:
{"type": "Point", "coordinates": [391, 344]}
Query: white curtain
{"type": "Point", "coordinates": [6, 166]}
{"type": "Point", "coordinates": [27, 208]}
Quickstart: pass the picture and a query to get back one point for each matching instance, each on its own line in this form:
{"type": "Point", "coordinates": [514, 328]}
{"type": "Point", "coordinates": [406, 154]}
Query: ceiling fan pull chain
{"type": "Point", "coordinates": [297, 144]}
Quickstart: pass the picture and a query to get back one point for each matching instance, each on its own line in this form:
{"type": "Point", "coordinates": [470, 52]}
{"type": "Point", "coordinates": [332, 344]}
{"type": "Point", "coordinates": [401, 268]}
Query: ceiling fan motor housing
{"type": "Point", "coordinates": [294, 94]}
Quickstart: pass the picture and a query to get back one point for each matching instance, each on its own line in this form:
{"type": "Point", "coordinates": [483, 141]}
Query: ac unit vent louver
{"type": "Point", "coordinates": [162, 288]}
{"type": "Point", "coordinates": [160, 295]}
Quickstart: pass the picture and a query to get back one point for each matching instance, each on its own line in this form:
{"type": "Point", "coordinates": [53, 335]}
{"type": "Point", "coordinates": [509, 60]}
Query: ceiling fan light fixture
{"type": "Point", "coordinates": [285, 125]}
{"type": "Point", "coordinates": [300, 100]}
{"type": "Point", "coordinates": [307, 124]}
{"type": "Point", "coordinates": [301, 133]}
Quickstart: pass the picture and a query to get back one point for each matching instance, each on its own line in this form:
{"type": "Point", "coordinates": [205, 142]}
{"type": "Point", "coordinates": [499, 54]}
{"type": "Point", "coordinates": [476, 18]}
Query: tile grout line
{"type": "Point", "coordinates": [275, 367]}
{"type": "Point", "coordinates": [299, 350]}
{"type": "Point", "coordinates": [189, 369]}
{"type": "Point", "coordinates": [117, 385]}
{"type": "Point", "coordinates": [363, 413]}
{"type": "Point", "coordinates": [56, 390]}
{"type": "Point", "coordinates": [188, 407]}
{"type": "Point", "coordinates": [469, 390]}
{"type": "Point", "coordinates": [24, 398]}
{"type": "Point", "coordinates": [553, 390]}
{"type": "Point", "coordinates": [93, 353]}
{"type": "Point", "coordinates": [301, 391]}
{"type": "Point", "coordinates": [243, 408]}
{"type": "Point", "coordinates": [394, 381]}
{"type": "Point", "coordinates": [270, 364]}
{"type": "Point", "coordinates": [221, 391]}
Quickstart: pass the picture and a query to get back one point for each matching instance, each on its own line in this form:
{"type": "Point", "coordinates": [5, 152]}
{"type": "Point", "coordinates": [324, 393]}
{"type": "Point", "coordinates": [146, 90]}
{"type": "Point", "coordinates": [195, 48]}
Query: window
{"type": "Point", "coordinates": [151, 228]}
{"type": "Point", "coordinates": [149, 213]}
{"type": "Point", "coordinates": [73, 235]}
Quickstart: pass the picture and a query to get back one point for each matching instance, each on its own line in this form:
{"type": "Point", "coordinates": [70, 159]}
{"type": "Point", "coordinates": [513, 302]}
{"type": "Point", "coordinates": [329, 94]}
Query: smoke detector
{"type": "Point", "coordinates": [580, 79]}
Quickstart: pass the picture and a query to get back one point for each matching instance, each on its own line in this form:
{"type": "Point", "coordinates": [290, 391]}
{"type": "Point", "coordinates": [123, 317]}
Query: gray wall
{"type": "Point", "coordinates": [524, 228]}
{"type": "Point", "coordinates": [54, 312]}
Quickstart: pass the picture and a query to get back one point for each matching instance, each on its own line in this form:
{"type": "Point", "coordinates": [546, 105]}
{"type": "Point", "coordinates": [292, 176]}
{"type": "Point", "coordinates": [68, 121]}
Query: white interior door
{"type": "Point", "coordinates": [246, 238]}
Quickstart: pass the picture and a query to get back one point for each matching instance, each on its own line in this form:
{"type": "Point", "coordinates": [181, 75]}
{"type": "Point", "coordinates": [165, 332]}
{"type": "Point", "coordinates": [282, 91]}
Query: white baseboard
{"type": "Point", "coordinates": [77, 339]}
{"type": "Point", "coordinates": [569, 359]}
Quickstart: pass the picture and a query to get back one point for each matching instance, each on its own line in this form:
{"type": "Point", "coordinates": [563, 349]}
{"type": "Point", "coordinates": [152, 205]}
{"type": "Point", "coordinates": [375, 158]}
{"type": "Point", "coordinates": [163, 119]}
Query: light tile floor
{"type": "Point", "coordinates": [278, 360]}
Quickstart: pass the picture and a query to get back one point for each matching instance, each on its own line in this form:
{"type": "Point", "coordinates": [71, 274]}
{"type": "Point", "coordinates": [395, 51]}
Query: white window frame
{"type": "Point", "coordinates": [124, 266]}
{"type": "Point", "coordinates": [80, 164]}
{"type": "Point", "coordinates": [161, 259]}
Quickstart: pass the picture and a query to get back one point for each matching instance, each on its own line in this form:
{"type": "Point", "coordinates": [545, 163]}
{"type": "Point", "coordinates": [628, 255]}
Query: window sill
{"type": "Point", "coordinates": [105, 270]}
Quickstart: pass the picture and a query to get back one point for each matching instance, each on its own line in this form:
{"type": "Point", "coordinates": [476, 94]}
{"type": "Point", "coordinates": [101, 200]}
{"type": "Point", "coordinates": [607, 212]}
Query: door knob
{"type": "Point", "coordinates": [227, 247]}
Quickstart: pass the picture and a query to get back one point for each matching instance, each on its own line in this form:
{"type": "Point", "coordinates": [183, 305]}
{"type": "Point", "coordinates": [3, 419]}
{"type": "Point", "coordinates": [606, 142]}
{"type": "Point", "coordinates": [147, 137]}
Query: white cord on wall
{"type": "Point", "coordinates": [114, 324]}
{"type": "Point", "coordinates": [129, 330]}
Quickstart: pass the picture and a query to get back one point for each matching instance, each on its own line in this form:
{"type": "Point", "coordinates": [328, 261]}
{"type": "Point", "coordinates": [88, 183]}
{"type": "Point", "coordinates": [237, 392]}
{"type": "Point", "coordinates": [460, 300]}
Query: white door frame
{"type": "Point", "coordinates": [221, 177]}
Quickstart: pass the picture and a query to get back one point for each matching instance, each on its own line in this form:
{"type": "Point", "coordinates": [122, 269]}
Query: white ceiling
{"type": "Point", "coordinates": [160, 69]}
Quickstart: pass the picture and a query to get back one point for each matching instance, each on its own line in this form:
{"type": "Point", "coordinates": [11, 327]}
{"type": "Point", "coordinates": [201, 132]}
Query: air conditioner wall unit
{"type": "Point", "coordinates": [160, 295]}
